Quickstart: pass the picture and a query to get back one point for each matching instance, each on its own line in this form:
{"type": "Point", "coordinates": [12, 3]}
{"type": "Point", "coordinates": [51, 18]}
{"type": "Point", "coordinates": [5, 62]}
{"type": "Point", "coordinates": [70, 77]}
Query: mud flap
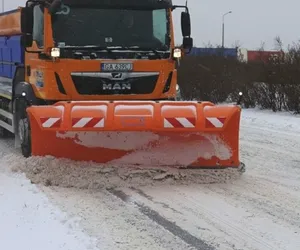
{"type": "Point", "coordinates": [145, 133]}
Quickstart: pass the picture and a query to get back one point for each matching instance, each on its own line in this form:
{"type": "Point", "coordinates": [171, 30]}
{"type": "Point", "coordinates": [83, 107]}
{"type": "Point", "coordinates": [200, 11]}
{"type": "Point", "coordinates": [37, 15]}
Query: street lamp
{"type": "Point", "coordinates": [229, 12]}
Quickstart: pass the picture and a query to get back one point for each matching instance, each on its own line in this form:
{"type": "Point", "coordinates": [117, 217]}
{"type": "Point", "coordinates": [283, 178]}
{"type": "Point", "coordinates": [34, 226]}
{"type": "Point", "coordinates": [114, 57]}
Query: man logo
{"type": "Point", "coordinates": [116, 75]}
{"type": "Point", "coordinates": [117, 86]}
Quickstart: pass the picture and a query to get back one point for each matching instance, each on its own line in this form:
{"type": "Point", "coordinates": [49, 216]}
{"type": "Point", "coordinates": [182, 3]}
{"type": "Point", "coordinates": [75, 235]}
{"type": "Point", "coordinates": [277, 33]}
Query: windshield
{"type": "Point", "coordinates": [38, 26]}
{"type": "Point", "coordinates": [74, 26]}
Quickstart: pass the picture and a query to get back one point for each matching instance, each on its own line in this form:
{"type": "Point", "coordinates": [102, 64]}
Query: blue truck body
{"type": "Point", "coordinates": [226, 52]}
{"type": "Point", "coordinates": [11, 54]}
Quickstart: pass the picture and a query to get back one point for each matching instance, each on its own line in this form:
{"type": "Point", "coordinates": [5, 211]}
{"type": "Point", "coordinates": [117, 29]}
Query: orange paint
{"type": "Point", "coordinates": [145, 142]}
{"type": "Point", "coordinates": [10, 23]}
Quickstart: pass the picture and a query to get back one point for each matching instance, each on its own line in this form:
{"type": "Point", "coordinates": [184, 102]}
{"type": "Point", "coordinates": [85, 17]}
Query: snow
{"type": "Point", "coordinates": [134, 101]}
{"type": "Point", "coordinates": [264, 119]}
{"type": "Point", "coordinates": [179, 108]}
{"type": "Point", "coordinates": [149, 108]}
{"type": "Point", "coordinates": [172, 152]}
{"type": "Point", "coordinates": [87, 101]}
{"type": "Point", "coordinates": [84, 205]}
{"type": "Point", "coordinates": [102, 108]}
{"type": "Point", "coordinates": [111, 140]}
{"type": "Point", "coordinates": [154, 149]}
{"type": "Point", "coordinates": [30, 221]}
{"type": "Point", "coordinates": [59, 107]}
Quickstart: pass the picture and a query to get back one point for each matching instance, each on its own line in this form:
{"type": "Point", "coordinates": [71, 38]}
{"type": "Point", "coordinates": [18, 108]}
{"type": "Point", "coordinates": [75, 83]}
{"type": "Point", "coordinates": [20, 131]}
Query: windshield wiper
{"type": "Point", "coordinates": [111, 48]}
{"type": "Point", "coordinates": [155, 51]}
{"type": "Point", "coordinates": [91, 47]}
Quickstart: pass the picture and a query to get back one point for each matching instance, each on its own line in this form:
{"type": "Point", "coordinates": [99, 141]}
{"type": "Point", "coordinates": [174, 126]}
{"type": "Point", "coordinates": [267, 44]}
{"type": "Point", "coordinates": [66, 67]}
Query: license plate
{"type": "Point", "coordinates": [116, 66]}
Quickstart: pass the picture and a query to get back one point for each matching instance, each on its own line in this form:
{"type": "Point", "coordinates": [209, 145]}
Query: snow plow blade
{"type": "Point", "coordinates": [144, 133]}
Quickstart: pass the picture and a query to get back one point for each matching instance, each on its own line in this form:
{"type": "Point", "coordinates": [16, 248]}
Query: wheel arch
{"type": "Point", "coordinates": [21, 88]}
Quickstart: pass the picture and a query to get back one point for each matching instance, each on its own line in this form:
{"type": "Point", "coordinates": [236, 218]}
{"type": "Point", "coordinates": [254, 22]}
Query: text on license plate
{"type": "Point", "coordinates": [116, 66]}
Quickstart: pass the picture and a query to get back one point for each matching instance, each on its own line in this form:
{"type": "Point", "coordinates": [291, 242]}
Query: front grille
{"type": "Point", "coordinates": [103, 84]}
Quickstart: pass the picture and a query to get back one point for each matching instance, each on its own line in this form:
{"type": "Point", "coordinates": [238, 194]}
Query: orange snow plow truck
{"type": "Point", "coordinates": [96, 80]}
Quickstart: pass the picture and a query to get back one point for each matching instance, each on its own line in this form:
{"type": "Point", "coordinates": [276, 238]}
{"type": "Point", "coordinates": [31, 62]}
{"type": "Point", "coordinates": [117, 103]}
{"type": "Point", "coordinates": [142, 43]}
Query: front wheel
{"type": "Point", "coordinates": [23, 131]}
{"type": "Point", "coordinates": [3, 132]}
{"type": "Point", "coordinates": [242, 168]}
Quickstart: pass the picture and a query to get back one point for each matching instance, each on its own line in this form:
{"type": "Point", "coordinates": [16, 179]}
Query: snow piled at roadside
{"type": "Point", "coordinates": [30, 221]}
{"type": "Point", "coordinates": [50, 171]}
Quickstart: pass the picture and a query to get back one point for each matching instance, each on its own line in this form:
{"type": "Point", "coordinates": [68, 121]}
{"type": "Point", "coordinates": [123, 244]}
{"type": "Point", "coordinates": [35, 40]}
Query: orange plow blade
{"type": "Point", "coordinates": [173, 134]}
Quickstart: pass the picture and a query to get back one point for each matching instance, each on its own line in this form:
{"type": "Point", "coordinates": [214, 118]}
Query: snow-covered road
{"type": "Point", "coordinates": [259, 210]}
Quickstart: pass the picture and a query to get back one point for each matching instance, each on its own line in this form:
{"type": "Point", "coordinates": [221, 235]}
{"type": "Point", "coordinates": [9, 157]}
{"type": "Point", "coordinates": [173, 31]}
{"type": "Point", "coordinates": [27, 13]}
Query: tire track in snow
{"type": "Point", "coordinates": [122, 225]}
{"type": "Point", "coordinates": [271, 130]}
{"type": "Point", "coordinates": [276, 141]}
{"type": "Point", "coordinates": [282, 151]}
{"type": "Point", "coordinates": [166, 224]}
{"type": "Point", "coordinates": [276, 205]}
{"type": "Point", "coordinates": [202, 218]}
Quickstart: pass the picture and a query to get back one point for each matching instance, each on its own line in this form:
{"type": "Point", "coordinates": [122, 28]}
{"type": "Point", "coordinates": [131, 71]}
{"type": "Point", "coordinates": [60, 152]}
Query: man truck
{"type": "Point", "coordinates": [96, 80]}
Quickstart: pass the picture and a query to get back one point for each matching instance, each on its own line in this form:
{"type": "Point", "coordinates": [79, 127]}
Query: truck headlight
{"type": "Point", "coordinates": [177, 53]}
{"type": "Point", "coordinates": [177, 87]}
{"type": "Point", "coordinates": [55, 52]}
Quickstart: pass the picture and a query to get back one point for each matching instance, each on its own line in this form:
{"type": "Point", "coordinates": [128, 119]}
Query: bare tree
{"type": "Point", "coordinates": [278, 44]}
{"type": "Point", "coordinates": [265, 83]}
{"type": "Point", "coordinates": [237, 44]}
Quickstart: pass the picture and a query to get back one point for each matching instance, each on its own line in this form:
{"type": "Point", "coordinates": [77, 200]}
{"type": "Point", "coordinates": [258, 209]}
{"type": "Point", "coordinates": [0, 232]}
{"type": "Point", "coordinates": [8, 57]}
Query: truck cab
{"type": "Point", "coordinates": [103, 50]}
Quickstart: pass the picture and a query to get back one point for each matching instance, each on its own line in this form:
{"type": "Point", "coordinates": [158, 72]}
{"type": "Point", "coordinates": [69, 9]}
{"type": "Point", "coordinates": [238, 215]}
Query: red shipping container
{"type": "Point", "coordinates": [265, 56]}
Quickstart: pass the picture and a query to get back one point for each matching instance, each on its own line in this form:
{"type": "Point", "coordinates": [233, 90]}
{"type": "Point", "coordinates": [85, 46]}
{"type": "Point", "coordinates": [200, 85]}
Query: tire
{"type": "Point", "coordinates": [23, 127]}
{"type": "Point", "coordinates": [2, 132]}
{"type": "Point", "coordinates": [242, 168]}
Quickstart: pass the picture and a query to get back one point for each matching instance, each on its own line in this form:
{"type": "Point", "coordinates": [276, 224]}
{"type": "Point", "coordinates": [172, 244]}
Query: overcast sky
{"type": "Point", "coordinates": [251, 22]}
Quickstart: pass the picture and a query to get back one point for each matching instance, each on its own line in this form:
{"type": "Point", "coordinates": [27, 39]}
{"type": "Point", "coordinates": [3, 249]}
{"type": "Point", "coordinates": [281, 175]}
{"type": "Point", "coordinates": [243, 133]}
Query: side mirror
{"type": "Point", "coordinates": [187, 43]}
{"type": "Point", "coordinates": [55, 6]}
{"type": "Point", "coordinates": [26, 40]}
{"type": "Point", "coordinates": [27, 20]}
{"type": "Point", "coordinates": [185, 24]}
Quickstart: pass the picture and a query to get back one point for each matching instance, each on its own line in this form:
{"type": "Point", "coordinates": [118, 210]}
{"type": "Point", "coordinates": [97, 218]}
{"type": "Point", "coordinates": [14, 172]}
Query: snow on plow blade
{"type": "Point", "coordinates": [174, 134]}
